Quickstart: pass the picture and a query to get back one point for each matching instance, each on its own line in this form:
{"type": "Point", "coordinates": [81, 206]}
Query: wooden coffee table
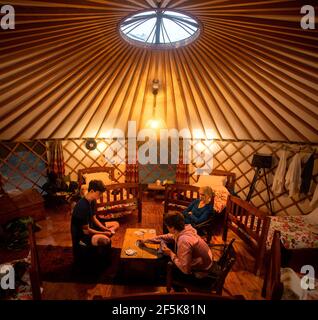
{"type": "Point", "coordinates": [158, 191]}
{"type": "Point", "coordinates": [144, 264]}
{"type": "Point", "coordinates": [130, 239]}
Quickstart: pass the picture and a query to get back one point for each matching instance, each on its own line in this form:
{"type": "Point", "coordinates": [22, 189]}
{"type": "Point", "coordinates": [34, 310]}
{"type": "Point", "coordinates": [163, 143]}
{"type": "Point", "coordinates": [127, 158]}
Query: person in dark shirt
{"type": "Point", "coordinates": [201, 209]}
{"type": "Point", "coordinates": [85, 227]}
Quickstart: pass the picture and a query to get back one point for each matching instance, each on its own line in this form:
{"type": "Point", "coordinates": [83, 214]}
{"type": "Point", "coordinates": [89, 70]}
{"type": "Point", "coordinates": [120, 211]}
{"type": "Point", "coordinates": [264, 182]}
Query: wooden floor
{"type": "Point", "coordinates": [56, 231]}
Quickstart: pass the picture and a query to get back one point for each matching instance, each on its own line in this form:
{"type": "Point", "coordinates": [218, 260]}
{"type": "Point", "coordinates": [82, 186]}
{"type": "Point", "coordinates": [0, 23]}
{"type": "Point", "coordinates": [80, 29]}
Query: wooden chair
{"type": "Point", "coordinates": [251, 225]}
{"type": "Point", "coordinates": [117, 196]}
{"type": "Point", "coordinates": [216, 276]}
{"type": "Point", "coordinates": [178, 197]}
{"type": "Point", "coordinates": [272, 286]}
{"type": "Point", "coordinates": [119, 199]}
{"type": "Point", "coordinates": [210, 227]}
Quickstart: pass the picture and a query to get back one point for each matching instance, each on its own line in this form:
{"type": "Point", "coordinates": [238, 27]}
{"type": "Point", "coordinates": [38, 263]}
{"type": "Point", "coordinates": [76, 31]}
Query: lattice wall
{"type": "Point", "coordinates": [237, 157]}
{"type": "Point", "coordinates": [76, 156]}
{"type": "Point", "coordinates": [23, 164]}
{"type": "Point", "coordinates": [230, 156]}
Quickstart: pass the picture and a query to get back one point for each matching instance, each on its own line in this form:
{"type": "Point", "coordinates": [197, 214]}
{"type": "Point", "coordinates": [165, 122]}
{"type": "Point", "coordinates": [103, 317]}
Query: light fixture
{"type": "Point", "coordinates": [155, 123]}
{"type": "Point", "coordinates": [155, 86]}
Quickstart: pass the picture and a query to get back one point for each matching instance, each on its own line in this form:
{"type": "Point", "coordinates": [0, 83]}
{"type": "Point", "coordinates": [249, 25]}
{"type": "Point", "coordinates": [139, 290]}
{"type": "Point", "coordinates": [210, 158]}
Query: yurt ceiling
{"type": "Point", "coordinates": [252, 74]}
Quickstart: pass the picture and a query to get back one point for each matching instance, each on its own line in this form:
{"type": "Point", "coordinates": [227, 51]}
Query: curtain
{"type": "Point", "coordinates": [132, 174]}
{"type": "Point", "coordinates": [182, 171]}
{"type": "Point", "coordinates": [132, 171]}
{"type": "Point", "coordinates": [56, 163]}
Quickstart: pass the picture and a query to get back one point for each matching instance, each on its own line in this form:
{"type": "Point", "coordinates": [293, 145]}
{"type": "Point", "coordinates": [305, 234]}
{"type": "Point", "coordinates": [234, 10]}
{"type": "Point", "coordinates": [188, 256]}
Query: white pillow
{"type": "Point", "coordinates": [292, 287]}
{"type": "Point", "coordinates": [220, 189]}
{"type": "Point", "coordinates": [103, 176]}
{"type": "Point", "coordinates": [211, 181]}
{"type": "Point", "coordinates": [312, 217]}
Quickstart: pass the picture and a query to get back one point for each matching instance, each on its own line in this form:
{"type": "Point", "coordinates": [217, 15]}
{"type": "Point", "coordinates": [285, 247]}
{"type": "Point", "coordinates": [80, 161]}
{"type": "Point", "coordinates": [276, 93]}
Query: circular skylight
{"type": "Point", "coordinates": [160, 28]}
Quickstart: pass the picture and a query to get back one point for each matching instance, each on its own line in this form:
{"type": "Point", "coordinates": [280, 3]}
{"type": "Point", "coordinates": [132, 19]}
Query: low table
{"type": "Point", "coordinates": [157, 190]}
{"type": "Point", "coordinates": [142, 265]}
{"type": "Point", "coordinates": [130, 239]}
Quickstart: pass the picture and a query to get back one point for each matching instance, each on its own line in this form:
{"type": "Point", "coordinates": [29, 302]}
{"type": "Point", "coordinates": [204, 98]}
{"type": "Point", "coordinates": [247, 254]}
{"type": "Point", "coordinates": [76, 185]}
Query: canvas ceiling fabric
{"type": "Point", "coordinates": [67, 73]}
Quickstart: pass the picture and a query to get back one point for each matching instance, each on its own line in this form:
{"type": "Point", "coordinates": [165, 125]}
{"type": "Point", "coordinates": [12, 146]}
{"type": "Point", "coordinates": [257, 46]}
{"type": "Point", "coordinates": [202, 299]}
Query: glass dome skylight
{"type": "Point", "coordinates": [160, 28]}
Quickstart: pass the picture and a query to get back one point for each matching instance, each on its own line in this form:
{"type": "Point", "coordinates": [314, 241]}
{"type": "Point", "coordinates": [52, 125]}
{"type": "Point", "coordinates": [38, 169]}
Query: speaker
{"type": "Point", "coordinates": [262, 161]}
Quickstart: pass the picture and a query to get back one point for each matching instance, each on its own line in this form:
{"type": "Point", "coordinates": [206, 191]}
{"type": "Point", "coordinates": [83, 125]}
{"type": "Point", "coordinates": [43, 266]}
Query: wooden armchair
{"type": "Point", "coordinates": [179, 196]}
{"type": "Point", "coordinates": [250, 224]}
{"type": "Point", "coordinates": [119, 199]}
{"type": "Point", "coordinates": [207, 228]}
{"type": "Point", "coordinates": [217, 274]}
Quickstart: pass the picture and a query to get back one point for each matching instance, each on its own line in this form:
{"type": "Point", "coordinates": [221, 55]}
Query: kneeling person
{"type": "Point", "coordinates": [85, 226]}
{"type": "Point", "coordinates": [192, 256]}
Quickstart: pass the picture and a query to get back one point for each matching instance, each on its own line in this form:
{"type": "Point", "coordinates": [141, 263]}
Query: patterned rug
{"type": "Point", "coordinates": [57, 265]}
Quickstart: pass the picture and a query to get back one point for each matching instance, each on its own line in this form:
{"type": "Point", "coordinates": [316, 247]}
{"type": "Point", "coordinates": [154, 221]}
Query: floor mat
{"type": "Point", "coordinates": [56, 264]}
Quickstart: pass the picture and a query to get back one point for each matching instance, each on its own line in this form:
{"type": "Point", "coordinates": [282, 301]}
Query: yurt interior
{"type": "Point", "coordinates": [158, 149]}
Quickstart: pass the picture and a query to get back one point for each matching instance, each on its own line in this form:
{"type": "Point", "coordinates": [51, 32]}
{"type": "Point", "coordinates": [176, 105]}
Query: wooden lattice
{"type": "Point", "coordinates": [228, 155]}
{"type": "Point", "coordinates": [237, 157]}
{"type": "Point", "coordinates": [23, 170]}
{"type": "Point", "coordinates": [77, 156]}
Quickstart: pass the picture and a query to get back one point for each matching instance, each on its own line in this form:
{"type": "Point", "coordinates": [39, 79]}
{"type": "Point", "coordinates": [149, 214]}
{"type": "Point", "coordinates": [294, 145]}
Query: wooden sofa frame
{"type": "Point", "coordinates": [115, 196]}
{"type": "Point", "coordinates": [250, 224]}
{"type": "Point", "coordinates": [115, 193]}
{"type": "Point", "coordinates": [183, 194]}
{"type": "Point", "coordinates": [272, 286]}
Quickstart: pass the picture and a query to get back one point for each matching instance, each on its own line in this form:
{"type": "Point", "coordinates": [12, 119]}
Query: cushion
{"type": "Point", "coordinates": [124, 206]}
{"type": "Point", "coordinates": [211, 181]}
{"type": "Point", "coordinates": [220, 197]}
{"type": "Point", "coordinates": [312, 217]}
{"type": "Point", "coordinates": [103, 176]}
{"type": "Point", "coordinates": [110, 216]}
{"type": "Point", "coordinates": [220, 189]}
{"type": "Point", "coordinates": [292, 288]}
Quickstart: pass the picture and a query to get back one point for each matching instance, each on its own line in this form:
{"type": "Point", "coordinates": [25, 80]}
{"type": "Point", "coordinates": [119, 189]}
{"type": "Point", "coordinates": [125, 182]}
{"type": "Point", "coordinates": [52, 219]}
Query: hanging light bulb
{"type": "Point", "coordinates": [155, 123]}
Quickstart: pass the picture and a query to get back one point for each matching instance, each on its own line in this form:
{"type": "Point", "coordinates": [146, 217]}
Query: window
{"type": "Point", "coordinates": [150, 173]}
{"type": "Point", "coordinates": [23, 165]}
{"type": "Point", "coordinates": [160, 28]}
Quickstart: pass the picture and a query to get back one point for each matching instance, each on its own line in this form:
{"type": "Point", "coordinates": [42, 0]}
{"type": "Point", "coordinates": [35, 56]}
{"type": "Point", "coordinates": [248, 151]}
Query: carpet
{"type": "Point", "coordinates": [56, 265]}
